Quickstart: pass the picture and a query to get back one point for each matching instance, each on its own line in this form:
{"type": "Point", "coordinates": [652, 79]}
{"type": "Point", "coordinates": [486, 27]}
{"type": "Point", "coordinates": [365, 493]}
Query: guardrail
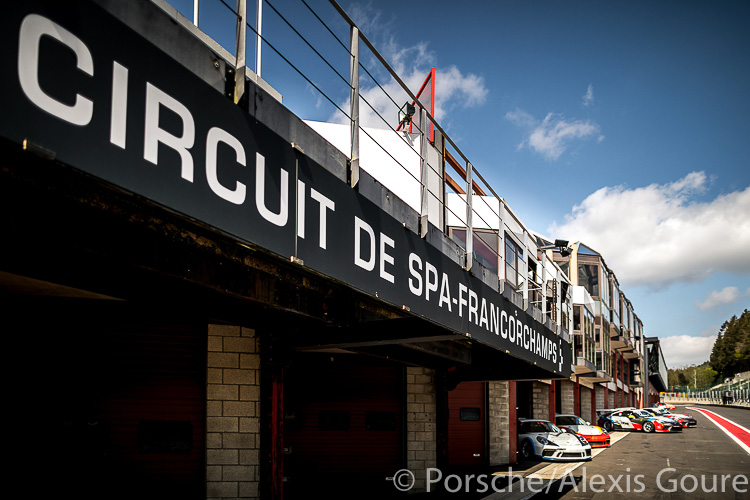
{"type": "Point", "coordinates": [740, 398]}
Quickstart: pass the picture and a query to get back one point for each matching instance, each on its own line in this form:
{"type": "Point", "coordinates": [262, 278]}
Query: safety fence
{"type": "Point", "coordinates": [736, 394]}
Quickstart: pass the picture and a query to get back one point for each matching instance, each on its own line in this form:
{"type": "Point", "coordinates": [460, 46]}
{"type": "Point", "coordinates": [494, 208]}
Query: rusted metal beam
{"type": "Point", "coordinates": [462, 172]}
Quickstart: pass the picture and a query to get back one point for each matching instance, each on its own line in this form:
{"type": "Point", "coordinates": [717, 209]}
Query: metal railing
{"type": "Point", "coordinates": [321, 48]}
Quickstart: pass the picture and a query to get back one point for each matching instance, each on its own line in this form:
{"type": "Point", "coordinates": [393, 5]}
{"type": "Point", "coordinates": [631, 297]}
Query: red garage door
{"type": "Point", "coordinates": [467, 424]}
{"type": "Point", "coordinates": [342, 428]}
{"type": "Point", "coordinates": [115, 399]}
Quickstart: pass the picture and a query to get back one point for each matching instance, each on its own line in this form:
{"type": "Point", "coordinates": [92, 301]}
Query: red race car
{"type": "Point", "coordinates": [595, 435]}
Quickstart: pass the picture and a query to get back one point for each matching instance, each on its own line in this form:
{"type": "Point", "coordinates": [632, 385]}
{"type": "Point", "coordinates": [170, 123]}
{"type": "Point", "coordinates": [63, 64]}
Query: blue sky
{"type": "Point", "coordinates": [620, 124]}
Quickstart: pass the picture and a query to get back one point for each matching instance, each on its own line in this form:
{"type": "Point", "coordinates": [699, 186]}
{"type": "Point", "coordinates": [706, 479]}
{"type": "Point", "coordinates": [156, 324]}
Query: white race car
{"type": "Point", "coordinates": [682, 418]}
{"type": "Point", "coordinates": [543, 439]}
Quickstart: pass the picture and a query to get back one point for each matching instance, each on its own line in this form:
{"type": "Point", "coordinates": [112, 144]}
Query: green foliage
{"type": "Point", "coordinates": [692, 376]}
{"type": "Point", "coordinates": [731, 351]}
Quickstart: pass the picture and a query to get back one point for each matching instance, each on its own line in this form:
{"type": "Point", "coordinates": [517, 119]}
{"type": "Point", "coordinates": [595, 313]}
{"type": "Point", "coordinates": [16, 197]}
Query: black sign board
{"type": "Point", "coordinates": [82, 84]}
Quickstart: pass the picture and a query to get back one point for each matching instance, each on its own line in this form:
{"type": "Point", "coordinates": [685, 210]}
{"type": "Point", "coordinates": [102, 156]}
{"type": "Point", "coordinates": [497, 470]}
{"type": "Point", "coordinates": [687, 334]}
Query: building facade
{"type": "Point", "coordinates": [213, 300]}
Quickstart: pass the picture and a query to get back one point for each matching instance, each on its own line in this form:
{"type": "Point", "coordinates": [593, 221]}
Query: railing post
{"type": "Point", "coordinates": [259, 36]}
{"type": "Point", "coordinates": [423, 169]}
{"type": "Point", "coordinates": [195, 12]}
{"type": "Point", "coordinates": [239, 75]}
{"type": "Point", "coordinates": [354, 107]}
{"type": "Point", "coordinates": [469, 217]}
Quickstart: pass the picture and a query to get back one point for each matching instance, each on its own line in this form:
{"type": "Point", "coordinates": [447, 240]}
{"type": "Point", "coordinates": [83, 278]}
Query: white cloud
{"type": "Point", "coordinates": [552, 136]}
{"type": "Point", "coordinates": [588, 97]}
{"type": "Point", "coordinates": [659, 234]}
{"type": "Point", "coordinates": [684, 350]}
{"type": "Point", "coordinates": [412, 63]}
{"type": "Point", "coordinates": [717, 298]}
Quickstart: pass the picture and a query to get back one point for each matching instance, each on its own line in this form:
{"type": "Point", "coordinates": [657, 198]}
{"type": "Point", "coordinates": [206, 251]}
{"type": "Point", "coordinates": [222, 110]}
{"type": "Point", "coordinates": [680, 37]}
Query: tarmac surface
{"type": "Point", "coordinates": [700, 462]}
{"type": "Point", "coordinates": [697, 463]}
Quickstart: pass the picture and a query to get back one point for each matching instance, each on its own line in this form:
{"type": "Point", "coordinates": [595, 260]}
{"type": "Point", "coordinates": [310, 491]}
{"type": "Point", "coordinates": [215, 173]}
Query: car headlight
{"type": "Point", "coordinates": [582, 439]}
{"type": "Point", "coordinates": [545, 441]}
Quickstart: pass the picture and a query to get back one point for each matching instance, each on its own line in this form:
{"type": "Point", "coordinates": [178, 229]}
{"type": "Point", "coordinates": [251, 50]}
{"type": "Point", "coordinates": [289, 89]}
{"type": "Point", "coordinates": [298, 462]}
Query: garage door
{"type": "Point", "coordinates": [343, 427]}
{"type": "Point", "coordinates": [467, 424]}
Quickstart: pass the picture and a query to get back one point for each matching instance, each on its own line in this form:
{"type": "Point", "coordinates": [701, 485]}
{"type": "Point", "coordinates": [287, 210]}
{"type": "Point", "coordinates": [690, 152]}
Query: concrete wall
{"type": "Point", "coordinates": [498, 412]}
{"type": "Point", "coordinates": [232, 413]}
{"type": "Point", "coordinates": [421, 429]}
{"type": "Point", "coordinates": [540, 400]}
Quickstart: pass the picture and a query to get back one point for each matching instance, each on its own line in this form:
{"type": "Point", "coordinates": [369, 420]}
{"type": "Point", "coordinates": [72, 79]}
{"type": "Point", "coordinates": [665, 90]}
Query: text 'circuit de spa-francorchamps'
{"type": "Point", "coordinates": [214, 290]}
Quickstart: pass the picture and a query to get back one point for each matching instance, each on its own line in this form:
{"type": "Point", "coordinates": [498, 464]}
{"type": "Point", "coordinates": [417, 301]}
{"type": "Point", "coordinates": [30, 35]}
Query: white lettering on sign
{"type": "Point", "coordinates": [385, 257]}
{"type": "Point", "coordinates": [33, 28]}
{"type": "Point", "coordinates": [153, 134]}
{"type": "Point", "coordinates": [281, 218]}
{"type": "Point", "coordinates": [213, 138]}
{"type": "Point", "coordinates": [325, 205]}
{"type": "Point", "coordinates": [481, 311]}
{"type": "Point", "coordinates": [374, 251]}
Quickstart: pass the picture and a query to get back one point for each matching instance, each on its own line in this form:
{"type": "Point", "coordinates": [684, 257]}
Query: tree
{"type": "Point", "coordinates": [731, 351]}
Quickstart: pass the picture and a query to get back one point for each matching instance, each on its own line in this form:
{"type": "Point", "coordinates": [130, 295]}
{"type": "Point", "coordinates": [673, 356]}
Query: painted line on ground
{"type": "Point", "coordinates": [738, 433]}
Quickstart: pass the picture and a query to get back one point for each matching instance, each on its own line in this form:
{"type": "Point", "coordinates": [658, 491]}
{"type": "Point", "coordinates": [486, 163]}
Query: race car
{"type": "Point", "coordinates": [603, 414]}
{"type": "Point", "coordinates": [665, 405]}
{"type": "Point", "coordinates": [595, 435]}
{"type": "Point", "coordinates": [640, 420]}
{"type": "Point", "coordinates": [683, 419]}
{"type": "Point", "coordinates": [542, 438]}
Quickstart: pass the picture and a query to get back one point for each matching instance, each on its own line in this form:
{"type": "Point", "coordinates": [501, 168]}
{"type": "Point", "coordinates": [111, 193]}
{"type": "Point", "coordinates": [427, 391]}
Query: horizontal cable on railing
{"type": "Point", "coordinates": [326, 26]}
{"type": "Point", "coordinates": [308, 43]}
{"type": "Point", "coordinates": [296, 69]}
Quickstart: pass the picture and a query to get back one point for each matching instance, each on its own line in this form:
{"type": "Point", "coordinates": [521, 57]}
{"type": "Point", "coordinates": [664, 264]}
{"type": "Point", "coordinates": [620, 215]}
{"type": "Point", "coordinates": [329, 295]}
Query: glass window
{"type": "Point", "coordinates": [588, 277]}
{"type": "Point", "coordinates": [470, 414]}
{"type": "Point", "coordinates": [513, 259]}
{"type": "Point", "coordinates": [485, 246]}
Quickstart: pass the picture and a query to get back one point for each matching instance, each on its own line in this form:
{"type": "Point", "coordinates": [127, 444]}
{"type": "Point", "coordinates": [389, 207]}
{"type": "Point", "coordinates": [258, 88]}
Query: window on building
{"type": "Point", "coordinates": [588, 277]}
{"type": "Point", "coordinates": [485, 245]}
{"type": "Point", "coordinates": [513, 261]}
{"type": "Point", "coordinates": [470, 414]}
{"type": "Point", "coordinates": [535, 285]}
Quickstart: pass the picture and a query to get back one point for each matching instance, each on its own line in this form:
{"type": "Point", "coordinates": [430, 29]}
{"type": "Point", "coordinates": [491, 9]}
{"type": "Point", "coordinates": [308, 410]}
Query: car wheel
{"type": "Point", "coordinates": [608, 426]}
{"type": "Point", "coordinates": [648, 427]}
{"type": "Point", "coordinates": [527, 449]}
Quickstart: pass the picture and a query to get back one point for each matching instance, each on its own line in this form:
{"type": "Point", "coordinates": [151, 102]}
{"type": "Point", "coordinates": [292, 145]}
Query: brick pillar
{"type": "Point", "coordinates": [421, 427]}
{"type": "Point", "coordinates": [498, 413]}
{"type": "Point", "coordinates": [552, 401]}
{"type": "Point", "coordinates": [567, 398]}
{"type": "Point", "coordinates": [540, 400]}
{"type": "Point", "coordinates": [585, 400]}
{"type": "Point", "coordinates": [593, 404]}
{"type": "Point", "coordinates": [232, 409]}
{"type": "Point", "coordinates": [577, 398]}
{"type": "Point", "coordinates": [513, 421]}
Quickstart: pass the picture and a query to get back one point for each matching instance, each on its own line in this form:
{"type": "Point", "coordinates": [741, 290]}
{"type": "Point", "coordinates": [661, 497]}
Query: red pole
{"type": "Point", "coordinates": [513, 418]}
